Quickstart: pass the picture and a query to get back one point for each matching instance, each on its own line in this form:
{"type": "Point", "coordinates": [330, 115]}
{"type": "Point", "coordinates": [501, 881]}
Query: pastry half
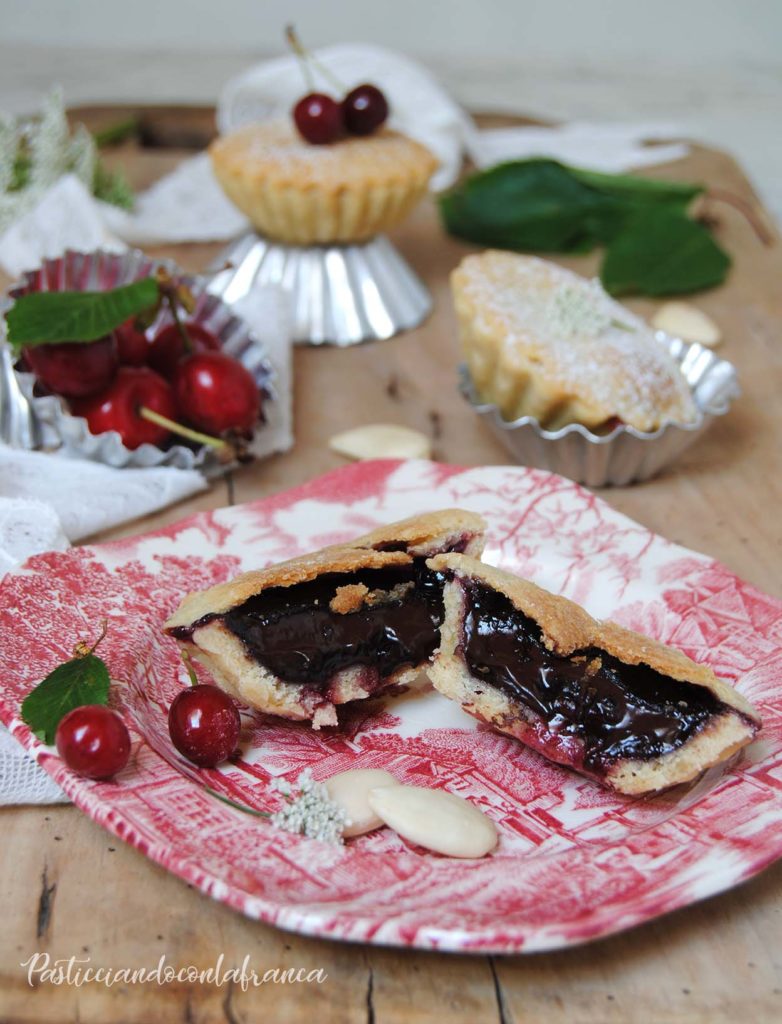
{"type": "Point", "coordinates": [614, 705]}
{"type": "Point", "coordinates": [303, 194]}
{"type": "Point", "coordinates": [347, 622]}
{"type": "Point", "coordinates": [544, 342]}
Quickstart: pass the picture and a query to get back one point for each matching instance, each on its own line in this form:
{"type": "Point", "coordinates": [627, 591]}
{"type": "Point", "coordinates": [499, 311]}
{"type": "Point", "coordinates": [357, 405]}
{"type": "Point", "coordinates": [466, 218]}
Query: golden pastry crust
{"type": "Point", "coordinates": [429, 533]}
{"type": "Point", "coordinates": [198, 627]}
{"type": "Point", "coordinates": [299, 193]}
{"type": "Point", "coordinates": [567, 628]}
{"type": "Point", "coordinates": [423, 534]}
{"type": "Point", "coordinates": [221, 598]}
{"type": "Point", "coordinates": [544, 342]}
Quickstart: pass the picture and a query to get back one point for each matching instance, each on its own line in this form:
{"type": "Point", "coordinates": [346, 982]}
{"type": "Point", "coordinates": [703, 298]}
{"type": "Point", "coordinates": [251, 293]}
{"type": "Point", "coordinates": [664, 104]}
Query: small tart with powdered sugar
{"type": "Point", "coordinates": [544, 342]}
{"type": "Point", "coordinates": [612, 704]}
{"type": "Point", "coordinates": [344, 623]}
{"type": "Point", "coordinates": [346, 191]}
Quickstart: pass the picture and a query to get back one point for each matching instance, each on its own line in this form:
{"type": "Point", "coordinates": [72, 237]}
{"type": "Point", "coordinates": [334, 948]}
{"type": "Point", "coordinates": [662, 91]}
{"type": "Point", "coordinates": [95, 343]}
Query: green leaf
{"type": "Point", "coordinates": [663, 253]}
{"type": "Point", "coordinates": [42, 318]}
{"type": "Point", "coordinates": [639, 190]}
{"type": "Point", "coordinates": [544, 206]}
{"type": "Point", "coordinates": [82, 680]}
{"type": "Point", "coordinates": [527, 204]}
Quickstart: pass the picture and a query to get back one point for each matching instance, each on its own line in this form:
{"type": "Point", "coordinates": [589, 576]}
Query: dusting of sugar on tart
{"type": "Point", "coordinates": [564, 340]}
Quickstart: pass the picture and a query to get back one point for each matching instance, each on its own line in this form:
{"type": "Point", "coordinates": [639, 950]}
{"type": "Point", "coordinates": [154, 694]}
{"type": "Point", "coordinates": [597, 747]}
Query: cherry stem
{"type": "Point", "coordinates": [238, 806]}
{"type": "Point", "coordinates": [295, 45]}
{"type": "Point", "coordinates": [182, 431]}
{"type": "Point", "coordinates": [188, 663]}
{"type": "Point", "coordinates": [747, 211]}
{"type": "Point", "coordinates": [172, 305]}
{"type": "Point", "coordinates": [304, 56]}
{"type": "Point", "coordinates": [81, 650]}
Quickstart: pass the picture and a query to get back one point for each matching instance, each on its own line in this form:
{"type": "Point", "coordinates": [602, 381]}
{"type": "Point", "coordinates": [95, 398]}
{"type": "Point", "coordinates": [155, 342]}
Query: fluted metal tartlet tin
{"type": "Point", "coordinates": [29, 420]}
{"type": "Point", "coordinates": [340, 294]}
{"type": "Point", "coordinates": [625, 455]}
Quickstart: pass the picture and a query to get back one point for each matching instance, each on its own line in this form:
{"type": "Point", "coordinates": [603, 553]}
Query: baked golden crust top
{"type": "Point", "coordinates": [567, 628]}
{"type": "Point", "coordinates": [427, 528]}
{"type": "Point", "coordinates": [273, 151]}
{"type": "Point", "coordinates": [530, 320]}
{"type": "Point", "coordinates": [360, 553]}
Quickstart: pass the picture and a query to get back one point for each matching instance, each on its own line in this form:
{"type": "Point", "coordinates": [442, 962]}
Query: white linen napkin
{"type": "Point", "coordinates": [611, 148]}
{"type": "Point", "coordinates": [86, 497]}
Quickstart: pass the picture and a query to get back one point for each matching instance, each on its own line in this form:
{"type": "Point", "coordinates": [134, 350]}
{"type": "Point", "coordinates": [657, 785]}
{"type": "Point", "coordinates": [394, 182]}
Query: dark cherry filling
{"type": "Point", "coordinates": [293, 632]}
{"type": "Point", "coordinates": [617, 710]}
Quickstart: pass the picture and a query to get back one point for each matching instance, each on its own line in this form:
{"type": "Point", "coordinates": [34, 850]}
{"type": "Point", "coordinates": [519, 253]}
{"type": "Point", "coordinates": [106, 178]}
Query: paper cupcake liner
{"type": "Point", "coordinates": [340, 294]}
{"type": "Point", "coordinates": [55, 426]}
{"type": "Point", "coordinates": [626, 455]}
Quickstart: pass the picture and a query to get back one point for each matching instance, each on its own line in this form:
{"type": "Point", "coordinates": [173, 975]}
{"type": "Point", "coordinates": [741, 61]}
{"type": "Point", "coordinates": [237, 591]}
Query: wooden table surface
{"type": "Point", "coordinates": [70, 889]}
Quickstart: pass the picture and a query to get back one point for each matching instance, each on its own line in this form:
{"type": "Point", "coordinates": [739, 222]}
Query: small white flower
{"type": "Point", "coordinates": [312, 813]}
{"type": "Point", "coordinates": [582, 310]}
{"type": "Point", "coordinates": [282, 786]}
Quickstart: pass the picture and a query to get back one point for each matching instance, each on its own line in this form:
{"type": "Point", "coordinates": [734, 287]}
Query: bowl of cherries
{"type": "Point", "coordinates": [125, 360]}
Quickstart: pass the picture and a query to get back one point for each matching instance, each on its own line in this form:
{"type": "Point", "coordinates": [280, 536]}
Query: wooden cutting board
{"type": "Point", "coordinates": [70, 890]}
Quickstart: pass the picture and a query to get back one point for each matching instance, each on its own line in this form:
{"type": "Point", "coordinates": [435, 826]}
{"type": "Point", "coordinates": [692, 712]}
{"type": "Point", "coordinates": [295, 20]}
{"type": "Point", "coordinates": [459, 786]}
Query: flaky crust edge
{"type": "Point", "coordinates": [422, 533]}
{"type": "Point", "coordinates": [225, 658]}
{"type": "Point", "coordinates": [566, 628]}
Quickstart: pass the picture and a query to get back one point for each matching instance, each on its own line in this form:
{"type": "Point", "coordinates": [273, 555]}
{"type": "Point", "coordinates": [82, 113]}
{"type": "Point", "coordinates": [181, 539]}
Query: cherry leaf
{"type": "Point", "coordinates": [82, 680]}
{"type": "Point", "coordinates": [42, 318]}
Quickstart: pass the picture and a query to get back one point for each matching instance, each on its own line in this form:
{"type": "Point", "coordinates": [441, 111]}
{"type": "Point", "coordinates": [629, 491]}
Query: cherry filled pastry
{"type": "Point", "coordinates": [342, 624]}
{"type": "Point", "coordinates": [612, 704]}
{"type": "Point", "coordinates": [363, 618]}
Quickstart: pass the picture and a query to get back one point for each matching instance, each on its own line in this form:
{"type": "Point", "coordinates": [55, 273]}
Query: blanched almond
{"type": "Point", "coordinates": [351, 790]}
{"type": "Point", "coordinates": [435, 819]}
{"type": "Point", "coordinates": [685, 321]}
{"type": "Point", "coordinates": [382, 441]}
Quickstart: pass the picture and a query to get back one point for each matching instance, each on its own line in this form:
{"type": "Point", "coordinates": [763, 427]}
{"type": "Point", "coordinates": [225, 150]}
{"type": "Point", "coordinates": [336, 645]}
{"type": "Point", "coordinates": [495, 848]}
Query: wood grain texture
{"type": "Point", "coordinates": [86, 894]}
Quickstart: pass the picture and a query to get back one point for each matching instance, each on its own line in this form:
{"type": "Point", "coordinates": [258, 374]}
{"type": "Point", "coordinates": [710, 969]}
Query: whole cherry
{"type": "Point", "coordinates": [74, 369]}
{"type": "Point", "coordinates": [364, 109]}
{"type": "Point", "coordinates": [168, 346]}
{"type": "Point", "coordinates": [93, 741]}
{"type": "Point", "coordinates": [216, 393]}
{"type": "Point", "coordinates": [204, 725]}
{"type": "Point", "coordinates": [118, 407]}
{"type": "Point", "coordinates": [132, 344]}
{"type": "Point", "coordinates": [318, 118]}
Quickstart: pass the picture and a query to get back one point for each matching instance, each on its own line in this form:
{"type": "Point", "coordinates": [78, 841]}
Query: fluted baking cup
{"type": "Point", "coordinates": [625, 455]}
{"type": "Point", "coordinates": [57, 427]}
{"type": "Point", "coordinates": [340, 294]}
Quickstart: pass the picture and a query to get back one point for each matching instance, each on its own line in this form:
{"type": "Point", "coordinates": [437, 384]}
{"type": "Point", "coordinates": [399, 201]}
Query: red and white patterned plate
{"type": "Point", "coordinates": [574, 862]}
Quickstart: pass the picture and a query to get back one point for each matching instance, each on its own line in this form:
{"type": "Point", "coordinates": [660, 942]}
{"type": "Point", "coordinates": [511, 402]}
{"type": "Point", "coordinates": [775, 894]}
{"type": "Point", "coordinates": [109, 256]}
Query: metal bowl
{"type": "Point", "coordinates": [51, 424]}
{"type": "Point", "coordinates": [625, 455]}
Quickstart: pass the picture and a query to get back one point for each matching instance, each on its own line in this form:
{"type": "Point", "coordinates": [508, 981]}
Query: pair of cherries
{"type": "Point", "coordinates": [203, 722]}
{"type": "Point", "coordinates": [320, 119]}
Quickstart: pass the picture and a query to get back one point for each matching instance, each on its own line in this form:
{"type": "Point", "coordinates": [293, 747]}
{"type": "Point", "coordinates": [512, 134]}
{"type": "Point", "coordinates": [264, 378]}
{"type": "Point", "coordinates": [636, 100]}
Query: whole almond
{"type": "Point", "coordinates": [435, 819]}
{"type": "Point", "coordinates": [350, 790]}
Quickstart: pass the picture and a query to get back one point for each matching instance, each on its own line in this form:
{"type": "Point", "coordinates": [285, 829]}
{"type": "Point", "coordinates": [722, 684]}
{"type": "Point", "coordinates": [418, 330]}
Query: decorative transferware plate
{"type": "Point", "coordinates": [574, 862]}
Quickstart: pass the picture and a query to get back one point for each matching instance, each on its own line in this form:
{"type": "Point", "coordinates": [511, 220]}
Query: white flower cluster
{"type": "Point", "coordinates": [311, 813]}
{"type": "Point", "coordinates": [35, 154]}
{"type": "Point", "coordinates": [580, 311]}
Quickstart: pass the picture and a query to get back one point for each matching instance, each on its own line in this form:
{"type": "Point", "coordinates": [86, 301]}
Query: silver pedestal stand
{"type": "Point", "coordinates": [340, 294]}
